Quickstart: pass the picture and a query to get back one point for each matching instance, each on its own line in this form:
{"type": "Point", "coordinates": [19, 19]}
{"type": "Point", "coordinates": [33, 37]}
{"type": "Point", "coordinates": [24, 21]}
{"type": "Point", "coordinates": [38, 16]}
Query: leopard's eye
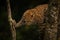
{"type": "Point", "coordinates": [31, 15]}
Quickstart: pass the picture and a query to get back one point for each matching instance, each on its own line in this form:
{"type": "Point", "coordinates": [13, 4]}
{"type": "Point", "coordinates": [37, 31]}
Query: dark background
{"type": "Point", "coordinates": [18, 7]}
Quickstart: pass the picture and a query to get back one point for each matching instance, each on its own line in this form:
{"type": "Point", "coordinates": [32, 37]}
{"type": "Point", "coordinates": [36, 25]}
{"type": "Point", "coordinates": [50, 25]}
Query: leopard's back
{"type": "Point", "coordinates": [35, 15]}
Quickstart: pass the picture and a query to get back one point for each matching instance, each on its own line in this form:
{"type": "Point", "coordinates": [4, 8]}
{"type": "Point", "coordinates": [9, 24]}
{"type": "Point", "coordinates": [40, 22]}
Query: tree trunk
{"type": "Point", "coordinates": [11, 21]}
{"type": "Point", "coordinates": [52, 21]}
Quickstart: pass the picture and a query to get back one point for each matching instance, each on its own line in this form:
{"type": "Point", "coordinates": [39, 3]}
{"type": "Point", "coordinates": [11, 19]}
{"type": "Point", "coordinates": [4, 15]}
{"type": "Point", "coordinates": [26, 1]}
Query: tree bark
{"type": "Point", "coordinates": [52, 21]}
{"type": "Point", "coordinates": [58, 21]}
{"type": "Point", "coordinates": [11, 21]}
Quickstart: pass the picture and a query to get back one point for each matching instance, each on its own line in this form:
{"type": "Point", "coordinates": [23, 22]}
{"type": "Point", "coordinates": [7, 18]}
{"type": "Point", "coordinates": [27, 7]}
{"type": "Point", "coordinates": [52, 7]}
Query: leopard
{"type": "Point", "coordinates": [33, 16]}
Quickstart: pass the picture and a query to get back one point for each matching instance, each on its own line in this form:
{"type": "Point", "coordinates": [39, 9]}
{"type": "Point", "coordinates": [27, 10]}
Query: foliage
{"type": "Point", "coordinates": [28, 32]}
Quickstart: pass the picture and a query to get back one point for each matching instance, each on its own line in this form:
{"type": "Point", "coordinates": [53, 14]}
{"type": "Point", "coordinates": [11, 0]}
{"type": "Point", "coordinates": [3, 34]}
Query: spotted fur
{"type": "Point", "coordinates": [33, 16]}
